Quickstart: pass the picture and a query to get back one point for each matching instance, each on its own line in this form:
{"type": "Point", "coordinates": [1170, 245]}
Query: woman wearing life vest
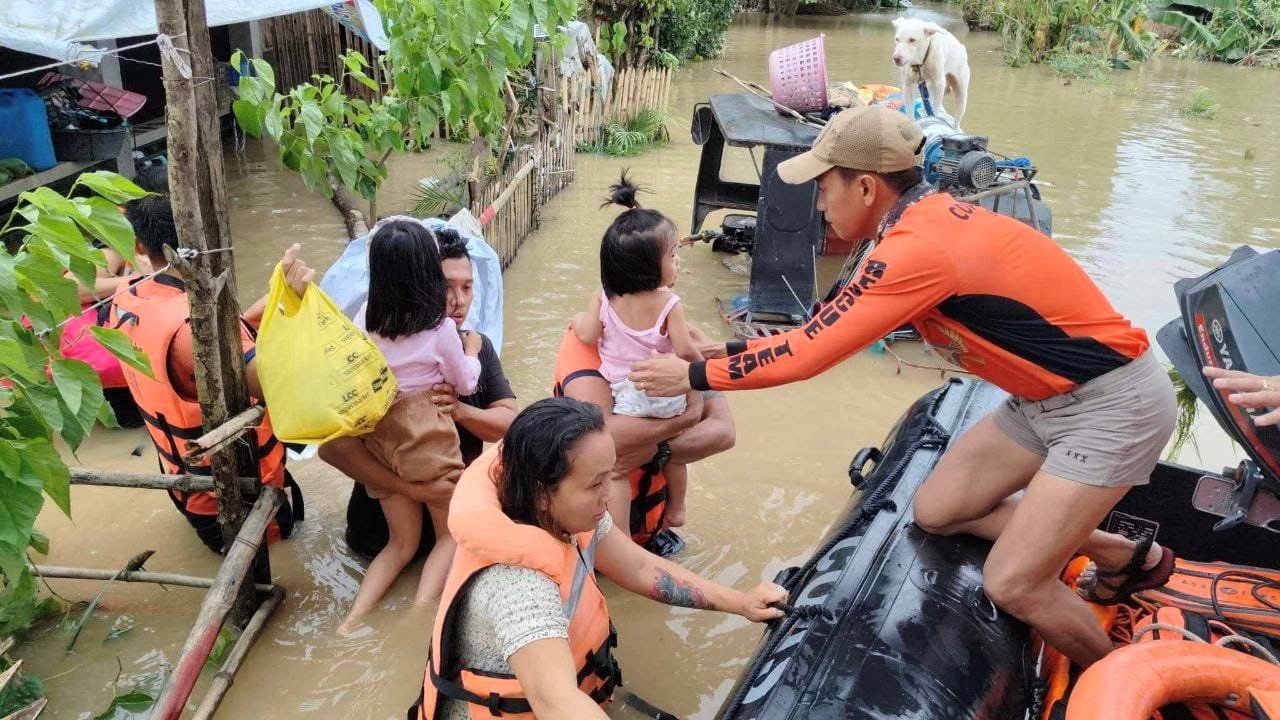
{"type": "Point", "coordinates": [522, 630]}
{"type": "Point", "coordinates": [1091, 407]}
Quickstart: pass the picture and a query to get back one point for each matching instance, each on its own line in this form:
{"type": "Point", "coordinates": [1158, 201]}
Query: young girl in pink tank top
{"type": "Point", "coordinates": [636, 315]}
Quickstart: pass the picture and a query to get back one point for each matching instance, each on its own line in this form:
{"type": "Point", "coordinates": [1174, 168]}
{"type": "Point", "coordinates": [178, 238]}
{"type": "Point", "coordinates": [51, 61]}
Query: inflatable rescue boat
{"type": "Point", "coordinates": [891, 622]}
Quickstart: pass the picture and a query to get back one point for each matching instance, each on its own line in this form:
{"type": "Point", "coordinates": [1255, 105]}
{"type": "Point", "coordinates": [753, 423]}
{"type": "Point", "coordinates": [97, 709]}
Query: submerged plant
{"type": "Point", "coordinates": [1188, 406]}
{"type": "Point", "coordinates": [1200, 104]}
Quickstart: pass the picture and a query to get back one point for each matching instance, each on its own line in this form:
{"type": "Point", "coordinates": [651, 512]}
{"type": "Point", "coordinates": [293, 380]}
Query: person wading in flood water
{"type": "Point", "coordinates": [1091, 408]}
{"type": "Point", "coordinates": [523, 630]}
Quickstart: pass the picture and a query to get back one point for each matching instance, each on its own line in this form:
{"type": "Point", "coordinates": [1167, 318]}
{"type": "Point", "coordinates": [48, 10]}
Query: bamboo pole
{"type": "Point", "coordinates": [135, 576]}
{"type": "Point", "coordinates": [181, 483]}
{"type": "Point", "coordinates": [226, 675]}
{"type": "Point", "coordinates": [221, 599]}
{"type": "Point", "coordinates": [198, 190]}
{"type": "Point", "coordinates": [223, 435]}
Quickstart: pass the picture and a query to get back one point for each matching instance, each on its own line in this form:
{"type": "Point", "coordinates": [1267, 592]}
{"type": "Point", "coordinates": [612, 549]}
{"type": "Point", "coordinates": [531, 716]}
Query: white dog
{"type": "Point", "coordinates": [927, 53]}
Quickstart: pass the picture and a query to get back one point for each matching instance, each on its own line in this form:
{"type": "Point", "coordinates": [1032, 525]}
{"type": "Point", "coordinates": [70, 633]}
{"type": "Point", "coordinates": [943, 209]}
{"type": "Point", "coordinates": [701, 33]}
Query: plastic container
{"type": "Point", "coordinates": [798, 76]}
{"type": "Point", "coordinates": [84, 145]}
{"type": "Point", "coordinates": [26, 128]}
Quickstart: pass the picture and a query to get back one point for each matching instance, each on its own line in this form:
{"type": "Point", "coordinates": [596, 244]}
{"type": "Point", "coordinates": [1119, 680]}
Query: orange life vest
{"type": "Point", "coordinates": [648, 484]}
{"type": "Point", "coordinates": [150, 313]}
{"type": "Point", "coordinates": [486, 537]}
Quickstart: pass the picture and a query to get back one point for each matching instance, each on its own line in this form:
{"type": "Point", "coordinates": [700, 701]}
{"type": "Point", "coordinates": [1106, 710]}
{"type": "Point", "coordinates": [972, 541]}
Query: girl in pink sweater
{"type": "Point", "coordinates": [406, 318]}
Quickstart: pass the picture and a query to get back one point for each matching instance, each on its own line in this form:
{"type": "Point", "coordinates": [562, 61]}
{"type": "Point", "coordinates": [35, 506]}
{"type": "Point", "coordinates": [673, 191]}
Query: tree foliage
{"type": "Point", "coordinates": [43, 395]}
{"type": "Point", "coordinates": [447, 69]}
{"type": "Point", "coordinates": [1244, 31]}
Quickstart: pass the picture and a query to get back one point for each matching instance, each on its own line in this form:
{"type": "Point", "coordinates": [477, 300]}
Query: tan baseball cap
{"type": "Point", "coordinates": [874, 139]}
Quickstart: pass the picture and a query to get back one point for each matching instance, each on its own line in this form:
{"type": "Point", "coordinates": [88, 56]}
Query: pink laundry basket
{"type": "Point", "coordinates": [798, 76]}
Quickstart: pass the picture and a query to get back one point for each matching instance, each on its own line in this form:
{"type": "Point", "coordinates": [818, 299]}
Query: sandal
{"type": "Point", "coordinates": [1135, 578]}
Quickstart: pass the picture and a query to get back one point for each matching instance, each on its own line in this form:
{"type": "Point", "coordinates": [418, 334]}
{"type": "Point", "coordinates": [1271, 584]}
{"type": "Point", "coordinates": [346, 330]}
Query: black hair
{"type": "Point", "coordinates": [152, 221]}
{"type": "Point", "coordinates": [452, 245]}
{"type": "Point", "coordinates": [899, 181]}
{"type": "Point", "coordinates": [407, 290]}
{"type": "Point", "coordinates": [535, 456]}
{"type": "Point", "coordinates": [153, 178]}
{"type": "Point", "coordinates": [634, 245]}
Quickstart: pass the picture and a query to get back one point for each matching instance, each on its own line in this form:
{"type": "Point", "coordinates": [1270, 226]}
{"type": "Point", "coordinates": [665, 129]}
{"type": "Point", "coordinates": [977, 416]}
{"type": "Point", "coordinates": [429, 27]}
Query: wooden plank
{"type": "Point", "coordinates": [133, 576]}
{"type": "Point", "coordinates": [141, 481]}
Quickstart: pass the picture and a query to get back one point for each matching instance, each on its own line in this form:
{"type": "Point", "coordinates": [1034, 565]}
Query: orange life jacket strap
{"type": "Point", "coordinates": [599, 663]}
{"type": "Point", "coordinates": [495, 703]}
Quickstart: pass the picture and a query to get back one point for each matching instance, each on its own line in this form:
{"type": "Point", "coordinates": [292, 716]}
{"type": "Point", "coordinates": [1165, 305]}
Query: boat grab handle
{"type": "Point", "coordinates": [865, 455]}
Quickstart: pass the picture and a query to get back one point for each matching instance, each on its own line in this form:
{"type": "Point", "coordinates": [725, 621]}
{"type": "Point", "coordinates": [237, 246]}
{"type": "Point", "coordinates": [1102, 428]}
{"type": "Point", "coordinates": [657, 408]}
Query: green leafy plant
{"type": "Point", "coordinates": [449, 59]}
{"type": "Point", "coordinates": [1188, 407]}
{"type": "Point", "coordinates": [134, 704]}
{"type": "Point", "coordinates": [613, 41]}
{"type": "Point", "coordinates": [642, 20]}
{"type": "Point", "coordinates": [694, 29]}
{"type": "Point", "coordinates": [43, 395]}
{"type": "Point", "coordinates": [632, 134]}
{"type": "Point", "coordinates": [448, 70]}
{"type": "Point", "coordinates": [221, 648]}
{"type": "Point", "coordinates": [430, 200]}
{"type": "Point", "coordinates": [1241, 31]}
{"type": "Point", "coordinates": [20, 692]}
{"type": "Point", "coordinates": [1200, 104]}
{"type": "Point", "coordinates": [320, 132]}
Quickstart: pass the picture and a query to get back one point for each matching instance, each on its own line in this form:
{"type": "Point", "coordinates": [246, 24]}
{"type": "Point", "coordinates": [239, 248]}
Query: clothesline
{"type": "Point", "coordinates": [112, 51]}
{"type": "Point", "coordinates": [184, 253]}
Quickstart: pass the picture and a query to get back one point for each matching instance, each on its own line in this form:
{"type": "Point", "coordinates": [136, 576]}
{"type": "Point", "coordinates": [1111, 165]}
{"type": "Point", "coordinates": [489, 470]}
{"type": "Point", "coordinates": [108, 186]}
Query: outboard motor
{"type": "Point", "coordinates": [1229, 320]}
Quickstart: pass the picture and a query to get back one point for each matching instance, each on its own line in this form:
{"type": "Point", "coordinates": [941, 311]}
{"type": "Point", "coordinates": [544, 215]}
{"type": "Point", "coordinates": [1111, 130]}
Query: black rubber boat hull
{"type": "Point", "coordinates": [892, 623]}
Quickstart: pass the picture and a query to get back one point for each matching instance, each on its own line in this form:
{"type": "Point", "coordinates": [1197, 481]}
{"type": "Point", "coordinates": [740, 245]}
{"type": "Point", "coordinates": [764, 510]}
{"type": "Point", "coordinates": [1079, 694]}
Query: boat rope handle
{"type": "Point", "coordinates": [1225, 641]}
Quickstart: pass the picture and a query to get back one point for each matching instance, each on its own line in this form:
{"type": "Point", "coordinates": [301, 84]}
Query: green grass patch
{"type": "Point", "coordinates": [1080, 66]}
{"type": "Point", "coordinates": [1200, 104]}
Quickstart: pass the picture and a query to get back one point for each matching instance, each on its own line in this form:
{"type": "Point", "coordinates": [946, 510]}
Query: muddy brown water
{"type": "Point", "coordinates": [1141, 197]}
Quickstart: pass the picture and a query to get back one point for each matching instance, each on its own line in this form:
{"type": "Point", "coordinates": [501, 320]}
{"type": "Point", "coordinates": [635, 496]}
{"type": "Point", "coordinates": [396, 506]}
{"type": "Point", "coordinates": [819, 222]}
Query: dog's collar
{"type": "Point", "coordinates": [924, 59]}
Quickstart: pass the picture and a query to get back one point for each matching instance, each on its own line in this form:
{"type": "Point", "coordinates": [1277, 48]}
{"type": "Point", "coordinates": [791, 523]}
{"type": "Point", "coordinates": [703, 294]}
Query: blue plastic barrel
{"type": "Point", "coordinates": [25, 128]}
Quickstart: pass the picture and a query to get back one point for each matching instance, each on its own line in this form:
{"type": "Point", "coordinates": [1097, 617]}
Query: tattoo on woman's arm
{"type": "Point", "coordinates": [671, 591]}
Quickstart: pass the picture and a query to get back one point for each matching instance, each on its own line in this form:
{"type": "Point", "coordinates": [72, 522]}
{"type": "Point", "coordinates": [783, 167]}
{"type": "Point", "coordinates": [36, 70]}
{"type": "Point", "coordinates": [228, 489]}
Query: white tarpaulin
{"type": "Point", "coordinates": [57, 28]}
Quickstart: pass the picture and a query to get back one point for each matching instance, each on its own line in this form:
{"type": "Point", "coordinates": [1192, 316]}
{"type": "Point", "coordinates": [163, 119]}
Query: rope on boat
{"type": "Point", "coordinates": [1225, 641]}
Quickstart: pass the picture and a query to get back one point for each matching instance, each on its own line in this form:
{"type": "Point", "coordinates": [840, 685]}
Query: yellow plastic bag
{"type": "Point", "coordinates": [321, 377]}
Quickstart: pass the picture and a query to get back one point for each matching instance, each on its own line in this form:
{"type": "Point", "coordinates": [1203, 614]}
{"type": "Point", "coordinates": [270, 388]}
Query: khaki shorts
{"type": "Point", "coordinates": [417, 441]}
{"type": "Point", "coordinates": [1108, 432]}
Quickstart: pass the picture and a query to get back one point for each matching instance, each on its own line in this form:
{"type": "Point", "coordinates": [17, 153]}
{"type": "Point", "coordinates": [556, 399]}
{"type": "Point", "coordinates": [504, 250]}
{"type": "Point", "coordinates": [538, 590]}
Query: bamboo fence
{"type": "Point", "coordinates": [312, 43]}
{"type": "Point", "coordinates": [632, 90]}
{"type": "Point", "coordinates": [513, 201]}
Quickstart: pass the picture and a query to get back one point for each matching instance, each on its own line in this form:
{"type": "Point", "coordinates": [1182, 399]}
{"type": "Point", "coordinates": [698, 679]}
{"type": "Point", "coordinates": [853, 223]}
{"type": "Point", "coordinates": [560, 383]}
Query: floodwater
{"type": "Point", "coordinates": [1141, 197]}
